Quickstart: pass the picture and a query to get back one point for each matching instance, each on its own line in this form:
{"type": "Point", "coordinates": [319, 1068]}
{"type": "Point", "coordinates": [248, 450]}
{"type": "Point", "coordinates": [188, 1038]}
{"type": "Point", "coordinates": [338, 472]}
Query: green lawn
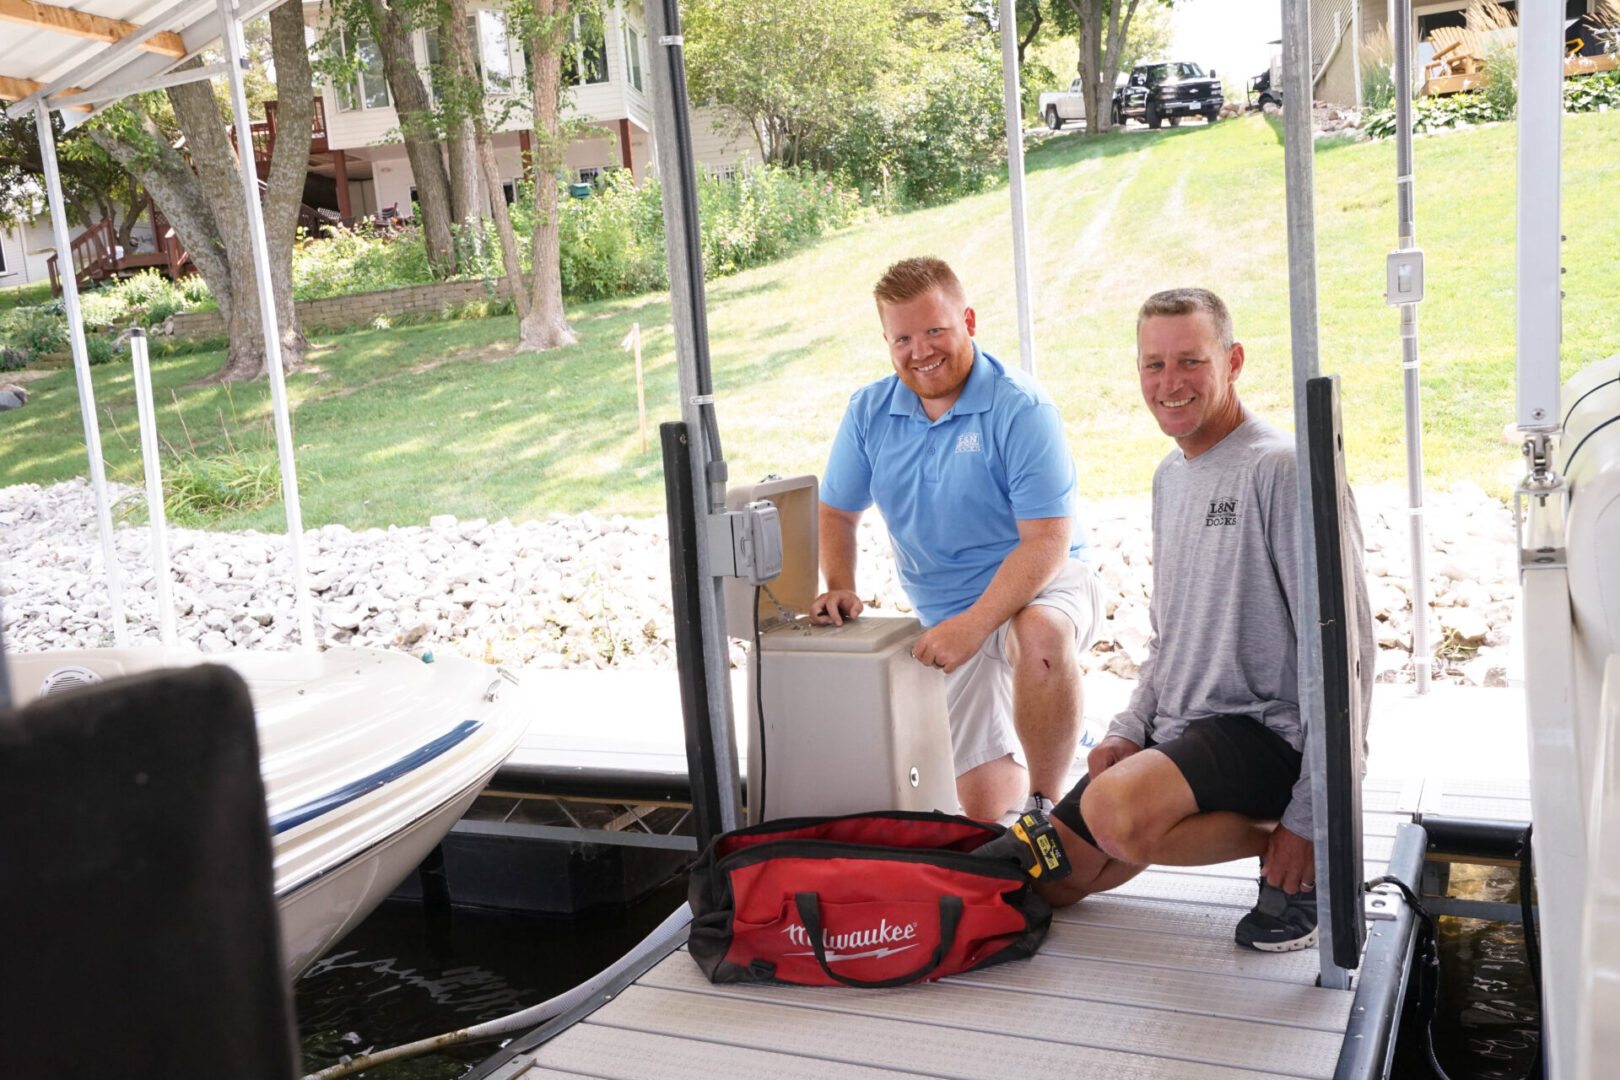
{"type": "Point", "coordinates": [397, 425]}
{"type": "Point", "coordinates": [19, 295]}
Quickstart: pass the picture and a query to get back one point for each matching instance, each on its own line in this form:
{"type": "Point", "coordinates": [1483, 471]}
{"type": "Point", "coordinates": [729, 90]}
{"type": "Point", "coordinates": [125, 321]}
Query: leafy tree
{"type": "Point", "coordinates": [357, 26]}
{"type": "Point", "coordinates": [94, 186]}
{"type": "Point", "coordinates": [1029, 14]}
{"type": "Point", "coordinates": [1102, 29]}
{"type": "Point", "coordinates": [544, 27]}
{"type": "Point", "coordinates": [200, 191]}
{"type": "Point", "coordinates": [794, 73]}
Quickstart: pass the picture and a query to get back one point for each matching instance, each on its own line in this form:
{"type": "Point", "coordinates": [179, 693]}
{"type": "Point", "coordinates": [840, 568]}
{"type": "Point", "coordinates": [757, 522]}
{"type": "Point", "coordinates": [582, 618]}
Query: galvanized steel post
{"type": "Point", "coordinates": [683, 246]}
{"type": "Point", "coordinates": [1015, 182]}
{"type": "Point", "coordinates": [156, 519]}
{"type": "Point", "coordinates": [235, 55]}
{"type": "Point", "coordinates": [1406, 240]}
{"type": "Point", "coordinates": [81, 368]}
{"type": "Point", "coordinates": [1299, 173]}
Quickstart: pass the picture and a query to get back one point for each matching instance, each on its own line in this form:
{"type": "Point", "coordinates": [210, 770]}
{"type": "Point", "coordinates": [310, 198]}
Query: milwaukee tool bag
{"type": "Point", "coordinates": [863, 900]}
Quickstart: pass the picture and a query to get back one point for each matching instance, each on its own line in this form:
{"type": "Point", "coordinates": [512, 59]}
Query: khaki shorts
{"type": "Point", "coordinates": [978, 695]}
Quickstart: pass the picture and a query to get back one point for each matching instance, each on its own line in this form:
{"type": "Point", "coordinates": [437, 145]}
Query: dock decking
{"type": "Point", "coordinates": [1142, 982]}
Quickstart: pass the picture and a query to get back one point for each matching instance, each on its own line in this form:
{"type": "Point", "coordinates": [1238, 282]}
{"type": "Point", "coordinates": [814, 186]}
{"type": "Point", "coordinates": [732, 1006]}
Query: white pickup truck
{"type": "Point", "coordinates": [1059, 106]}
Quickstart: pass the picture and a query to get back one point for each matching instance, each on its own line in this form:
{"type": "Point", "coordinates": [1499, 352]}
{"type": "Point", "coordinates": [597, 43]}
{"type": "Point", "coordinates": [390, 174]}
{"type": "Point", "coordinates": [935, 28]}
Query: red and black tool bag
{"type": "Point", "coordinates": [863, 900]}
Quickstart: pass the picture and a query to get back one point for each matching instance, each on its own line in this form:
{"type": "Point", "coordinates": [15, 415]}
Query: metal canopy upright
{"type": "Point", "coordinates": [107, 75]}
{"type": "Point", "coordinates": [1299, 147]}
{"type": "Point", "coordinates": [1560, 757]}
{"type": "Point", "coordinates": [1013, 104]}
{"type": "Point", "coordinates": [1407, 293]}
{"type": "Point", "coordinates": [705, 691]}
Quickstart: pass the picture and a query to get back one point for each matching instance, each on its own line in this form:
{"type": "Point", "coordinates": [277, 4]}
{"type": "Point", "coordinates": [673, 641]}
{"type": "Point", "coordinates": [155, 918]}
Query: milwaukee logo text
{"type": "Point", "coordinates": [884, 939]}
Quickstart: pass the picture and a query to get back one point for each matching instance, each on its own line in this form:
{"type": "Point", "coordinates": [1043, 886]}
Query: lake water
{"type": "Point", "coordinates": [391, 982]}
{"type": "Point", "coordinates": [396, 979]}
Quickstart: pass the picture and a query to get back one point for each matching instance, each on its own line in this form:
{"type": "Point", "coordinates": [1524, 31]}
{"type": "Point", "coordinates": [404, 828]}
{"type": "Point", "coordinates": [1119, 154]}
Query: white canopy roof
{"type": "Point", "coordinates": [104, 48]}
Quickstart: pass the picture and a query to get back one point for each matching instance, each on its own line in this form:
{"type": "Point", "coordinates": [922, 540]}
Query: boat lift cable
{"type": "Point", "coordinates": [1426, 960]}
{"type": "Point", "coordinates": [650, 947]}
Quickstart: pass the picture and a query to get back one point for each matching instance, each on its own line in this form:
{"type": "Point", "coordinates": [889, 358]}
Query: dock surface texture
{"type": "Point", "coordinates": [1144, 981]}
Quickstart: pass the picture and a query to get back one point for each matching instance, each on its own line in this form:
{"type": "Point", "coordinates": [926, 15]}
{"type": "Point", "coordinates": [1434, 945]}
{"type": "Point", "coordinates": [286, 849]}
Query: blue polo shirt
{"type": "Point", "coordinates": [953, 490]}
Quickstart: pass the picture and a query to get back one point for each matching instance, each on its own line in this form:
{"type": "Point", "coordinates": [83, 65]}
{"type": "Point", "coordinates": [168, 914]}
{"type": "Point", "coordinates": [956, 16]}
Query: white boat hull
{"type": "Point", "coordinates": [368, 758]}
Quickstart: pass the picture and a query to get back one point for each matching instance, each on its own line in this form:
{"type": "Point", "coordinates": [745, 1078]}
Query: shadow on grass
{"type": "Point", "coordinates": [1067, 150]}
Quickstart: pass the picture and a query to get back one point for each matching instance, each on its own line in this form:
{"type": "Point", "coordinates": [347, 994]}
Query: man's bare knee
{"type": "Point", "coordinates": [1042, 640]}
{"type": "Point", "coordinates": [1119, 830]}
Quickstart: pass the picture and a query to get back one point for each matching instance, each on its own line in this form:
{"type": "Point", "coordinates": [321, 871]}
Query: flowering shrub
{"type": "Point", "coordinates": [33, 331]}
{"type": "Point", "coordinates": [1583, 93]}
{"type": "Point", "coordinates": [348, 261]}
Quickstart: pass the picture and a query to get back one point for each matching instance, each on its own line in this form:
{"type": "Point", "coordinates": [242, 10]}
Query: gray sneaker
{"type": "Point", "coordinates": [1280, 921]}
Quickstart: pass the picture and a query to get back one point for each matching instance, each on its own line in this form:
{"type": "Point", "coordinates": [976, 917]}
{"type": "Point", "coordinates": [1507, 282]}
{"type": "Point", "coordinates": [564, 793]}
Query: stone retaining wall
{"type": "Point", "coordinates": [356, 309]}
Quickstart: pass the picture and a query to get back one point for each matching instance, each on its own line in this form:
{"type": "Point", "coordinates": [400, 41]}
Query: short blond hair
{"type": "Point", "coordinates": [1185, 302]}
{"type": "Point", "coordinates": [911, 278]}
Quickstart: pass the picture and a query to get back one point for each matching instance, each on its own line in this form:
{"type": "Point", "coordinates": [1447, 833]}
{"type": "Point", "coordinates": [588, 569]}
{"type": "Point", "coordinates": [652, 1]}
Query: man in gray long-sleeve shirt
{"type": "Point", "coordinates": [1217, 704]}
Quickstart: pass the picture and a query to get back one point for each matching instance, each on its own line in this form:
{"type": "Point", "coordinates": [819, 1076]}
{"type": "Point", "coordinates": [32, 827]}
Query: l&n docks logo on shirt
{"type": "Point", "coordinates": [968, 443]}
{"type": "Point", "coordinates": [1222, 511]}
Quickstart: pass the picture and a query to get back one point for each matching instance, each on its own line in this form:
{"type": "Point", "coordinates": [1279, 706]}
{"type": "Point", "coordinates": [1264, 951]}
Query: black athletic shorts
{"type": "Point", "coordinates": [1230, 762]}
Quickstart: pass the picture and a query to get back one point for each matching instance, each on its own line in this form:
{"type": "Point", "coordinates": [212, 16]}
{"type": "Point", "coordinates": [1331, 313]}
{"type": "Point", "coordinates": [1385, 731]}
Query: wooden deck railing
{"type": "Point", "coordinates": [92, 253]}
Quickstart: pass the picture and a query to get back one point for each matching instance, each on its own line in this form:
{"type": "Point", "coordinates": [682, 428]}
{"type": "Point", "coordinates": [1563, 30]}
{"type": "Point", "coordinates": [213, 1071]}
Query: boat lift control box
{"type": "Point", "coordinates": [851, 722]}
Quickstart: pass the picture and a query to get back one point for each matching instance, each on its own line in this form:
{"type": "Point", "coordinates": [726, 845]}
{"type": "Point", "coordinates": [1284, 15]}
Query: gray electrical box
{"type": "Point", "coordinates": [851, 722]}
{"type": "Point", "coordinates": [1403, 277]}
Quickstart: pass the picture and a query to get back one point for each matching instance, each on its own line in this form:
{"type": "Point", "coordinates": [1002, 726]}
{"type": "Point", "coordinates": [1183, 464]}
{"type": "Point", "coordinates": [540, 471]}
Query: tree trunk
{"type": "Point", "coordinates": [1117, 29]}
{"type": "Point", "coordinates": [1102, 37]}
{"type": "Point", "coordinates": [174, 188]}
{"type": "Point", "coordinates": [132, 214]}
{"type": "Point", "coordinates": [545, 324]}
{"type": "Point", "coordinates": [1035, 20]}
{"type": "Point", "coordinates": [218, 173]}
{"type": "Point", "coordinates": [474, 104]}
{"type": "Point", "coordinates": [414, 106]}
{"type": "Point", "coordinates": [461, 140]}
{"type": "Point", "coordinates": [461, 143]}
{"type": "Point", "coordinates": [289, 167]}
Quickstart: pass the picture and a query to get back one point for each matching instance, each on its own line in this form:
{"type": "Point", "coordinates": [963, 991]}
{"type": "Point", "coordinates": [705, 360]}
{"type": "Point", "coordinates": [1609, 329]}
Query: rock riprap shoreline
{"type": "Point", "coordinates": [592, 591]}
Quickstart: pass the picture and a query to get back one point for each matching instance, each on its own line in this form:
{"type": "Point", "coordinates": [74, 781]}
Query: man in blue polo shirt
{"type": "Point", "coordinates": [967, 462]}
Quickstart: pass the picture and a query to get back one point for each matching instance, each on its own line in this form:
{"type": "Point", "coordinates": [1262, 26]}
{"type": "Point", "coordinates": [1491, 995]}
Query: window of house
{"type": "Point", "coordinates": [509, 190]}
{"type": "Point", "coordinates": [589, 174]}
{"type": "Point", "coordinates": [494, 49]}
{"type": "Point", "coordinates": [584, 58]}
{"type": "Point", "coordinates": [370, 88]}
{"type": "Point", "coordinates": [491, 49]}
{"type": "Point", "coordinates": [2, 258]}
{"type": "Point", "coordinates": [632, 55]}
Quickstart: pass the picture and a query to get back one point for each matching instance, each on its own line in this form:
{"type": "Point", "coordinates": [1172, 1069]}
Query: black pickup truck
{"type": "Point", "coordinates": [1167, 90]}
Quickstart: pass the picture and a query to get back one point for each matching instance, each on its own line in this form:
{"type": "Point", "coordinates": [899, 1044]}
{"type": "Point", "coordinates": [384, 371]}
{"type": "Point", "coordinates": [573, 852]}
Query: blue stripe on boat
{"type": "Point", "coordinates": [350, 792]}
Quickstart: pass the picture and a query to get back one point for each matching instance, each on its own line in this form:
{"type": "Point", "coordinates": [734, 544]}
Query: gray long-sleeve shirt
{"type": "Point", "coordinates": [1226, 597]}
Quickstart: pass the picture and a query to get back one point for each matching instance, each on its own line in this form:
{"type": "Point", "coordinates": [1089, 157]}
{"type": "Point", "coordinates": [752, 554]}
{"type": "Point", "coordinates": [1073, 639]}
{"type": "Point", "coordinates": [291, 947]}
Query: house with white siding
{"type": "Point", "coordinates": [1337, 25]}
{"type": "Point", "coordinates": [364, 163]}
{"type": "Point", "coordinates": [24, 250]}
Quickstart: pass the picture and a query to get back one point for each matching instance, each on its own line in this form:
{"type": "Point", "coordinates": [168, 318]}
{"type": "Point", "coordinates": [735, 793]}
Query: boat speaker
{"type": "Point", "coordinates": [67, 678]}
